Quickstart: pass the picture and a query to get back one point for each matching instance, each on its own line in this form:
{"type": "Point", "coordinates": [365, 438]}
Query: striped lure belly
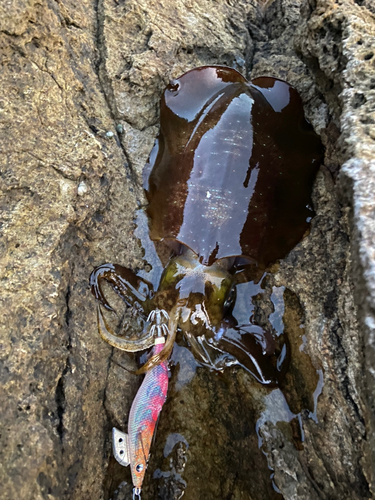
{"type": "Point", "coordinates": [133, 448]}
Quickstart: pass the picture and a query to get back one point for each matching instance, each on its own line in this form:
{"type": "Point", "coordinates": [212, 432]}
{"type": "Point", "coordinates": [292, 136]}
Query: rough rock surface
{"type": "Point", "coordinates": [340, 45]}
{"type": "Point", "coordinates": [81, 82]}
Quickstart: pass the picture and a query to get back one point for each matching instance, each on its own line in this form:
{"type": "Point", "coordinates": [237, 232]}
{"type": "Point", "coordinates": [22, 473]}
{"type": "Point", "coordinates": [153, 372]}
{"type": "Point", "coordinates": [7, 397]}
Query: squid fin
{"type": "Point", "coordinates": [120, 446]}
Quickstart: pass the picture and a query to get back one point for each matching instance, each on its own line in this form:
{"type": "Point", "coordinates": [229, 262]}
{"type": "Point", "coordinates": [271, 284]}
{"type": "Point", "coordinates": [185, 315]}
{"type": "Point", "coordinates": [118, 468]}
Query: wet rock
{"type": "Point", "coordinates": [73, 72]}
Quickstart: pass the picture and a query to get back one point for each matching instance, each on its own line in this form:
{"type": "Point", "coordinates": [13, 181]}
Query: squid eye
{"type": "Point", "coordinates": [139, 467]}
{"type": "Point", "coordinates": [174, 85]}
{"type": "Point", "coordinates": [230, 300]}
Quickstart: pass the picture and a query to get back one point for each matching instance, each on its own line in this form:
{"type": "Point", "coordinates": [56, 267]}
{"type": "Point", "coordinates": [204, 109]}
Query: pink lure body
{"type": "Point", "coordinates": [143, 416]}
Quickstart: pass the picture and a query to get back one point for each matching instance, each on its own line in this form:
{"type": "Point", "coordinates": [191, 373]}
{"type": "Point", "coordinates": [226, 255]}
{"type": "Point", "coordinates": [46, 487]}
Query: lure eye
{"type": "Point", "coordinates": [229, 301]}
{"type": "Point", "coordinates": [139, 467]}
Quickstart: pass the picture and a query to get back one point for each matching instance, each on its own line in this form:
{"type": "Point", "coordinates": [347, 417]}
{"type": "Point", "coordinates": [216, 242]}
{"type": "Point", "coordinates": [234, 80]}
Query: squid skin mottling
{"type": "Point", "coordinates": [143, 416]}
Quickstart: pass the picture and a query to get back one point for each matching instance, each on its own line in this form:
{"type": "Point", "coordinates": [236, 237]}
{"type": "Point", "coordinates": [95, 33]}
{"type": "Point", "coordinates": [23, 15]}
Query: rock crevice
{"type": "Point", "coordinates": [78, 116]}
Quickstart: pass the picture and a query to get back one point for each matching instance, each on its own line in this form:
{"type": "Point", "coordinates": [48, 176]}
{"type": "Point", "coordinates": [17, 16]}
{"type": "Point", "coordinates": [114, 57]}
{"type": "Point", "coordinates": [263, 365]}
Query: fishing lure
{"type": "Point", "coordinates": [133, 448]}
{"type": "Point", "coordinates": [229, 185]}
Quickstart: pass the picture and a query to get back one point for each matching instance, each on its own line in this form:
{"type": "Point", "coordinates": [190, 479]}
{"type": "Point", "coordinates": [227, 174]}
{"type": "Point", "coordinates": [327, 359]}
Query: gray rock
{"type": "Point", "coordinates": [339, 42]}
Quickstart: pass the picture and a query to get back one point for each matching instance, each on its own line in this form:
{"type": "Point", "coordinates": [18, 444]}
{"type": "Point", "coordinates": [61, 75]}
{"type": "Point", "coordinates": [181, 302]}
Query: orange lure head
{"type": "Point", "coordinates": [139, 460]}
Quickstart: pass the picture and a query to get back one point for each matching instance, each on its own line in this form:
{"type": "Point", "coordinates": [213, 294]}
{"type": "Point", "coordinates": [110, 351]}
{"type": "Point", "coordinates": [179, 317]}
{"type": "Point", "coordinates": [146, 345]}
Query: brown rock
{"type": "Point", "coordinates": [81, 83]}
